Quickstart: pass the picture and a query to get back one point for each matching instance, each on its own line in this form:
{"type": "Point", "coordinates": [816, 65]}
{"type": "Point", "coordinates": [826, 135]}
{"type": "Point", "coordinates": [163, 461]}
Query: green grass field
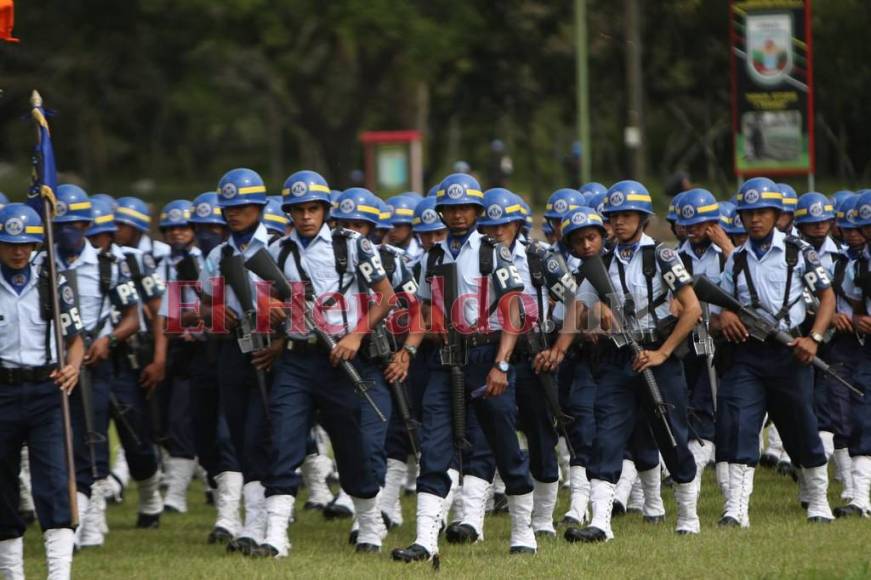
{"type": "Point", "coordinates": [779, 544]}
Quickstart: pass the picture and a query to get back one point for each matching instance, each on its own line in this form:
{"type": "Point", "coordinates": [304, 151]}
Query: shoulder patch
{"type": "Point", "coordinates": [666, 253]}
{"type": "Point", "coordinates": [124, 268]}
{"type": "Point", "coordinates": [148, 261]}
{"type": "Point", "coordinates": [366, 245]}
{"type": "Point", "coordinates": [68, 296]}
{"type": "Point", "coordinates": [552, 265]}
{"type": "Point", "coordinates": [505, 253]}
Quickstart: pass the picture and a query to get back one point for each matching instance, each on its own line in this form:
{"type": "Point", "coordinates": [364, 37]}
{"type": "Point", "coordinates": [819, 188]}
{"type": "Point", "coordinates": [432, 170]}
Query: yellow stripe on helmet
{"type": "Point", "coordinates": [318, 187]}
{"type": "Point", "coordinates": [710, 207]}
{"type": "Point", "coordinates": [80, 205]}
{"type": "Point", "coordinates": [403, 211]}
{"type": "Point", "coordinates": [370, 209]}
{"type": "Point", "coordinates": [34, 230]}
{"type": "Point", "coordinates": [638, 197]}
{"type": "Point", "coordinates": [104, 219]}
{"type": "Point", "coordinates": [252, 189]}
{"type": "Point", "coordinates": [133, 213]}
{"type": "Point", "coordinates": [271, 217]}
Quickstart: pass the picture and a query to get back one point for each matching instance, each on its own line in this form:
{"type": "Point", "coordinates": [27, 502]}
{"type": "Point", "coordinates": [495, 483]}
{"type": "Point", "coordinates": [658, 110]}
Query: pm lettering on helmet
{"type": "Point", "coordinates": [494, 212]}
{"type": "Point", "coordinates": [616, 198]}
{"type": "Point", "coordinates": [61, 208]}
{"type": "Point", "coordinates": [865, 211]}
{"type": "Point", "coordinates": [560, 206]}
{"type": "Point", "coordinates": [816, 209]}
{"type": "Point", "coordinates": [14, 226]}
{"type": "Point", "coordinates": [229, 191]}
{"type": "Point", "coordinates": [429, 216]}
{"type": "Point", "coordinates": [299, 188]}
{"type": "Point", "coordinates": [688, 211]}
{"type": "Point", "coordinates": [204, 210]}
{"type": "Point", "coordinates": [751, 196]}
{"type": "Point", "coordinates": [175, 214]}
{"type": "Point", "coordinates": [579, 218]}
{"type": "Point", "coordinates": [347, 206]}
{"type": "Point", "coordinates": [456, 191]}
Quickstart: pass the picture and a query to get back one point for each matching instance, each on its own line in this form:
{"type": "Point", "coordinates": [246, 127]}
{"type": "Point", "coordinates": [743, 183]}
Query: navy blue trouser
{"type": "Point", "coordinates": [478, 459]}
{"type": "Point", "coordinates": [497, 417]}
{"type": "Point", "coordinates": [833, 403]}
{"type": "Point", "coordinates": [374, 429]}
{"type": "Point", "coordinates": [141, 455]}
{"type": "Point", "coordinates": [535, 420]}
{"type": "Point", "coordinates": [860, 438]}
{"type": "Point", "coordinates": [30, 413]}
{"type": "Point", "coordinates": [212, 443]}
{"type": "Point", "coordinates": [701, 400]}
{"type": "Point", "coordinates": [296, 397]}
{"type": "Point", "coordinates": [242, 406]}
{"type": "Point", "coordinates": [101, 377]}
{"type": "Point", "coordinates": [623, 405]}
{"type": "Point", "coordinates": [765, 376]}
{"type": "Point", "coordinates": [577, 398]}
{"type": "Point", "coordinates": [176, 399]}
{"type": "Point", "coordinates": [398, 445]}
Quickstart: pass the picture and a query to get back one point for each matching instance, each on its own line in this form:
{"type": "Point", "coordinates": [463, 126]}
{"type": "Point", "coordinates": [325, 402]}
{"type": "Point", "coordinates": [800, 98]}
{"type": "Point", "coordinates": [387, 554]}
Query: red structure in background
{"type": "Point", "coordinates": [7, 20]}
{"type": "Point", "coordinates": [373, 140]}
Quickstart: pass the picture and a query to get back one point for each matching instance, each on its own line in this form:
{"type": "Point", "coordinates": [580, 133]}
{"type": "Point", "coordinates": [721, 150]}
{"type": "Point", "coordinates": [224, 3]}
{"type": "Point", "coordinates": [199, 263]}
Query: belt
{"type": "Point", "coordinates": [483, 339]}
{"type": "Point", "coordinates": [305, 345]}
{"type": "Point", "coordinates": [9, 376]}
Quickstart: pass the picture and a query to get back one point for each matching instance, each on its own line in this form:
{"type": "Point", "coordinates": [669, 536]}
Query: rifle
{"type": "Point", "coordinates": [233, 271]}
{"type": "Point", "coordinates": [703, 345]}
{"type": "Point", "coordinates": [595, 271]}
{"type": "Point", "coordinates": [759, 326]}
{"type": "Point", "coordinates": [381, 351]}
{"type": "Point", "coordinates": [454, 356]}
{"type": "Point", "coordinates": [120, 415]}
{"type": "Point", "coordinates": [550, 387]}
{"type": "Point", "coordinates": [264, 267]}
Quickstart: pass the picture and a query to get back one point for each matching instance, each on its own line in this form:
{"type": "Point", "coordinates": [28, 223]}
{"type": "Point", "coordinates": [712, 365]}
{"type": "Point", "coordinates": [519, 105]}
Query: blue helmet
{"type": "Point", "coordinates": [305, 186]}
{"type": "Point", "coordinates": [459, 189]}
{"type": "Point", "coordinates": [840, 196]}
{"type": "Point", "coordinates": [335, 194]}
{"type": "Point", "coordinates": [730, 220]}
{"type": "Point", "coordinates": [73, 204]}
{"type": "Point", "coordinates": [358, 203]}
{"type": "Point", "coordinates": [597, 202]}
{"type": "Point", "coordinates": [547, 229]}
{"type": "Point", "coordinates": [847, 216]}
{"type": "Point", "coordinates": [412, 194]}
{"type": "Point", "coordinates": [527, 214]}
{"type": "Point", "coordinates": [273, 217]}
{"type": "Point", "coordinates": [758, 193]}
{"type": "Point", "coordinates": [863, 209]}
{"type": "Point", "coordinates": [103, 215]}
{"type": "Point", "coordinates": [402, 209]}
{"type": "Point", "coordinates": [579, 218]}
{"type": "Point", "coordinates": [813, 207]}
{"type": "Point", "coordinates": [561, 201]}
{"type": "Point", "coordinates": [426, 219]}
{"type": "Point", "coordinates": [205, 210]}
{"type": "Point", "coordinates": [671, 216]}
{"type": "Point", "coordinates": [501, 207]}
{"type": "Point", "coordinates": [433, 190]}
{"type": "Point", "coordinates": [241, 186]}
{"type": "Point", "coordinates": [790, 197]}
{"type": "Point", "coordinates": [628, 195]}
{"type": "Point", "coordinates": [383, 216]}
{"type": "Point", "coordinates": [3, 200]}
{"type": "Point", "coordinates": [176, 213]}
{"type": "Point", "coordinates": [696, 206]}
{"type": "Point", "coordinates": [588, 190]}
{"type": "Point", "coordinates": [20, 224]}
{"type": "Point", "coordinates": [133, 212]}
{"type": "Point", "coordinates": [106, 197]}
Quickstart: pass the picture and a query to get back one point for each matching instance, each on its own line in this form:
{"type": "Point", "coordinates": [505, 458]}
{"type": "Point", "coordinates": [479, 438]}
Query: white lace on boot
{"type": "Point", "coordinates": [580, 498]}
{"type": "Point", "coordinates": [544, 502]}
{"type": "Point", "coordinates": [602, 495]}
{"type": "Point", "coordinates": [397, 473]}
{"type": "Point", "coordinates": [651, 482]}
{"type": "Point", "coordinates": [227, 499]}
{"type": "Point", "coordinates": [740, 489]}
{"type": "Point", "coordinates": [474, 500]}
{"type": "Point", "coordinates": [817, 485]}
{"type": "Point", "coordinates": [182, 471]}
{"type": "Point", "coordinates": [255, 514]}
{"type": "Point", "coordinates": [520, 508]}
{"type": "Point", "coordinates": [371, 525]}
{"type": "Point", "coordinates": [12, 559]}
{"type": "Point", "coordinates": [430, 509]}
{"type": "Point", "coordinates": [278, 511]}
{"type": "Point", "coordinates": [58, 553]}
{"type": "Point", "coordinates": [844, 472]}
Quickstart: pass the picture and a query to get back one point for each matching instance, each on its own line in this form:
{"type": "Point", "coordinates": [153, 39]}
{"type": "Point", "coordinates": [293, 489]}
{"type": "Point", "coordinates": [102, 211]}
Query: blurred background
{"type": "Point", "coordinates": [159, 97]}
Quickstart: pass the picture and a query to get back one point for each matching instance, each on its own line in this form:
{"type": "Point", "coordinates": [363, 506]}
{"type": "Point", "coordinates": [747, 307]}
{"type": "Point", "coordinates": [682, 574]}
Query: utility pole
{"type": "Point", "coordinates": [633, 135]}
{"type": "Point", "coordinates": [583, 92]}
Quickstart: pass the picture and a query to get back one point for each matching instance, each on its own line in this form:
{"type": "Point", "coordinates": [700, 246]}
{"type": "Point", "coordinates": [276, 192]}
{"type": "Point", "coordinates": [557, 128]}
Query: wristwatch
{"type": "Point", "coordinates": [502, 365]}
{"type": "Point", "coordinates": [816, 337]}
{"type": "Point", "coordinates": [412, 350]}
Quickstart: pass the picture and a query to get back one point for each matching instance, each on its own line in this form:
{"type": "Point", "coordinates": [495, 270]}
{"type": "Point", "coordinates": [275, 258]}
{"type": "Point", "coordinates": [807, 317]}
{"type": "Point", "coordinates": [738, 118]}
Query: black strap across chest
{"type": "Point", "coordinates": [739, 265]}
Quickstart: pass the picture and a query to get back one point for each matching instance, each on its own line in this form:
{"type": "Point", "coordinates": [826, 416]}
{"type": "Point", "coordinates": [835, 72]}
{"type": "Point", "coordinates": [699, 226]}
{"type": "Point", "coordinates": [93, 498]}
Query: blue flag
{"type": "Point", "coordinates": [44, 181]}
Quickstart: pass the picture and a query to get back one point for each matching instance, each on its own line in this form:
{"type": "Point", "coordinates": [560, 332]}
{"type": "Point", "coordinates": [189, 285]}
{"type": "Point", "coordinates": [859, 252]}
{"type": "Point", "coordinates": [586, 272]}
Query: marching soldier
{"type": "Point", "coordinates": [401, 234]}
{"type": "Point", "coordinates": [785, 222]}
{"type": "Point", "coordinates": [643, 275]}
{"type": "Point", "coordinates": [769, 273]}
{"type": "Point", "coordinates": [31, 378]}
{"type": "Point", "coordinates": [475, 364]}
{"type": "Point", "coordinates": [730, 221]}
{"type": "Point", "coordinates": [133, 218]}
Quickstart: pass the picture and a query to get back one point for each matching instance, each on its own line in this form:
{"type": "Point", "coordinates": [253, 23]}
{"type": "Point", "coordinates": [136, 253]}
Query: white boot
{"type": "Point", "coordinates": [25, 494]}
{"type": "Point", "coordinates": [701, 451]}
{"type": "Point", "coordinates": [522, 537]}
{"type": "Point", "coordinates": [636, 497]}
{"type": "Point", "coordinates": [803, 493]}
{"type": "Point", "coordinates": [430, 509]}
{"type": "Point", "coordinates": [624, 484]}
{"type": "Point", "coordinates": [828, 439]}
{"type": "Point", "coordinates": [371, 525]}
{"type": "Point", "coordinates": [453, 503]}
{"type": "Point", "coordinates": [545, 495]}
{"type": "Point", "coordinates": [92, 526]}
{"type": "Point", "coordinates": [686, 496]}
{"type": "Point", "coordinates": [150, 500]}
{"type": "Point", "coordinates": [102, 487]}
{"type": "Point", "coordinates": [474, 498]}
{"type": "Point", "coordinates": [580, 498]}
{"type": "Point", "coordinates": [82, 502]}
{"type": "Point", "coordinates": [722, 470]}
{"type": "Point", "coordinates": [413, 471]}
{"type": "Point", "coordinates": [177, 486]}
{"type": "Point", "coordinates": [844, 471]}
{"type": "Point", "coordinates": [344, 500]}
{"type": "Point", "coordinates": [315, 470]}
{"type": "Point", "coordinates": [12, 559]}
{"type": "Point", "coordinates": [817, 483]}
{"type": "Point", "coordinates": [227, 499]}
{"type": "Point", "coordinates": [278, 511]}
{"type": "Point", "coordinates": [120, 469]}
{"type": "Point", "coordinates": [397, 473]}
{"type": "Point", "coordinates": [862, 483]}
{"type": "Point", "coordinates": [602, 497]}
{"type": "Point", "coordinates": [564, 460]}
{"type": "Point", "coordinates": [740, 489]}
{"type": "Point", "coordinates": [651, 482]}
{"type": "Point", "coordinates": [255, 512]}
{"type": "Point", "coordinates": [58, 552]}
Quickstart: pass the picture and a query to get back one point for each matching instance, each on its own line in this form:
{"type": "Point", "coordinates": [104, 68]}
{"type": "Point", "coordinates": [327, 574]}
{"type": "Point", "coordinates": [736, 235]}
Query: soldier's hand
{"type": "Point", "coordinates": [862, 322]}
{"type": "Point", "coordinates": [66, 378]}
{"type": "Point", "coordinates": [606, 317]}
{"type": "Point", "coordinates": [497, 382]}
{"type": "Point", "coordinates": [548, 360]}
{"type": "Point", "coordinates": [397, 370]}
{"type": "Point", "coordinates": [231, 319]}
{"type": "Point", "coordinates": [152, 375]}
{"type": "Point", "coordinates": [842, 322]}
{"type": "Point", "coordinates": [99, 351]}
{"type": "Point", "coordinates": [277, 315]}
{"type": "Point", "coordinates": [263, 358]}
{"type": "Point", "coordinates": [805, 349]}
{"type": "Point", "coordinates": [647, 359]}
{"type": "Point", "coordinates": [346, 349]}
{"type": "Point", "coordinates": [732, 327]}
{"type": "Point", "coordinates": [719, 237]}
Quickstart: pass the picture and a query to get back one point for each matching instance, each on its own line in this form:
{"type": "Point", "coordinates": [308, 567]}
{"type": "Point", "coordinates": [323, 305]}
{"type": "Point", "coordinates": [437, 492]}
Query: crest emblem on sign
{"type": "Point", "coordinates": [579, 218]}
{"type": "Point", "coordinates": [175, 214]}
{"type": "Point", "coordinates": [688, 211]}
{"type": "Point", "coordinates": [494, 212]}
{"type": "Point", "coordinates": [429, 216]}
{"type": "Point", "coordinates": [455, 191]}
{"type": "Point", "coordinates": [560, 206]}
{"type": "Point", "coordinates": [67, 295]}
{"type": "Point", "coordinates": [228, 191]}
{"type": "Point", "coordinates": [769, 48]}
{"type": "Point", "coordinates": [204, 210]}
{"type": "Point", "coordinates": [616, 198]}
{"type": "Point", "coordinates": [61, 208]}
{"type": "Point", "coordinates": [347, 206]}
{"type": "Point", "coordinates": [816, 209]}
{"type": "Point", "coordinates": [14, 226]}
{"type": "Point", "coordinates": [299, 188]}
{"type": "Point", "coordinates": [751, 196]}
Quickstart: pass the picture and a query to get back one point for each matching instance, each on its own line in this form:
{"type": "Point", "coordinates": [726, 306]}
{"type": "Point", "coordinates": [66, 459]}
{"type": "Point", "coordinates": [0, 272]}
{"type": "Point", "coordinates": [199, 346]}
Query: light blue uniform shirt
{"type": "Point", "coordinates": [188, 295]}
{"type": "Point", "coordinates": [158, 250]}
{"type": "Point", "coordinates": [849, 284]}
{"type": "Point", "coordinates": [708, 264]}
{"type": "Point", "coordinates": [212, 267]}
